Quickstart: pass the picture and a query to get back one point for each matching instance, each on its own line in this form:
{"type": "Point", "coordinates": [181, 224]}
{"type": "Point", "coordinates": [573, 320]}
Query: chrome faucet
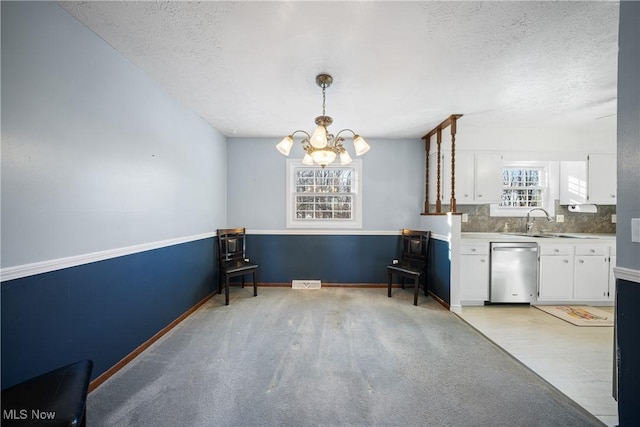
{"type": "Point", "coordinates": [529, 223]}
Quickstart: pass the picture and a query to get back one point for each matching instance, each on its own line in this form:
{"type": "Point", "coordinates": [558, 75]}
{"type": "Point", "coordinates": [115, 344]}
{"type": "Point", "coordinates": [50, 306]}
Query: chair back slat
{"type": "Point", "coordinates": [231, 244]}
{"type": "Point", "coordinates": [415, 244]}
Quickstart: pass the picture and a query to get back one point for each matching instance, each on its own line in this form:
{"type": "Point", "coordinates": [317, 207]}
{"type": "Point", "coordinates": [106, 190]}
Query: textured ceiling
{"type": "Point", "coordinates": [399, 68]}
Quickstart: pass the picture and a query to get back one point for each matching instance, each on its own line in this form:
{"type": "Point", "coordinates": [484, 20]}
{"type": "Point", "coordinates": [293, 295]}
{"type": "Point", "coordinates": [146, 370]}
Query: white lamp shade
{"type": "Point", "coordinates": [319, 137]}
{"type": "Point", "coordinates": [323, 157]}
{"type": "Point", "coordinates": [285, 145]}
{"type": "Point", "coordinates": [307, 160]}
{"type": "Point", "coordinates": [361, 145]}
{"type": "Point", "coordinates": [345, 158]}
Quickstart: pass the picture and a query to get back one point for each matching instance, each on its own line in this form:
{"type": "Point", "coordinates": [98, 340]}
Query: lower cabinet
{"type": "Point", "coordinates": [591, 273]}
{"type": "Point", "coordinates": [474, 273]}
{"type": "Point", "coordinates": [556, 272]}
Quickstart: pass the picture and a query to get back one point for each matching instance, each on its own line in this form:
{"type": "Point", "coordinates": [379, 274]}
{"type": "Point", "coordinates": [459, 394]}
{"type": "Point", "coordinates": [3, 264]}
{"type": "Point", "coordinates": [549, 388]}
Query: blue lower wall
{"type": "Point", "coordinates": [100, 311]}
{"type": "Point", "coordinates": [628, 331]}
{"type": "Point", "coordinates": [330, 258]}
{"type": "Point", "coordinates": [439, 269]}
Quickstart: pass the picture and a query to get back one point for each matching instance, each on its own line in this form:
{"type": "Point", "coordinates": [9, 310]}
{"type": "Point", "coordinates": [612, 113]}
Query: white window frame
{"type": "Point", "coordinates": [356, 218]}
{"type": "Point", "coordinates": [549, 176]}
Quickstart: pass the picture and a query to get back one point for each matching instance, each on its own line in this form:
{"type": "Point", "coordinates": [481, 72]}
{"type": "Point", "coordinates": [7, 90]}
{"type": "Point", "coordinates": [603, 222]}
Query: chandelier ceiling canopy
{"type": "Point", "coordinates": [322, 147]}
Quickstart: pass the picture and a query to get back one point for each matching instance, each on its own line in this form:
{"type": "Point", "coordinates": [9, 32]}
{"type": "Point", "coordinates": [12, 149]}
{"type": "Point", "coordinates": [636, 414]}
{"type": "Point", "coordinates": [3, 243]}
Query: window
{"type": "Point", "coordinates": [526, 185]}
{"type": "Point", "coordinates": [324, 198]}
{"type": "Point", "coordinates": [522, 188]}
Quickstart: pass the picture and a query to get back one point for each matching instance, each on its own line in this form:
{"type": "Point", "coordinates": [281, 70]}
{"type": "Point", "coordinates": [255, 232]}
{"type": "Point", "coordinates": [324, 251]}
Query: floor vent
{"type": "Point", "coordinates": [305, 284]}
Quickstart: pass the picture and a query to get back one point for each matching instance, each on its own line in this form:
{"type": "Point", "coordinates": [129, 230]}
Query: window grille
{"type": "Point", "coordinates": [324, 194]}
{"type": "Point", "coordinates": [522, 188]}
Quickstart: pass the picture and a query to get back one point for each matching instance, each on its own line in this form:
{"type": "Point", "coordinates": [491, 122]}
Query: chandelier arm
{"type": "Point", "coordinates": [345, 130]}
{"type": "Point", "coordinates": [301, 131]}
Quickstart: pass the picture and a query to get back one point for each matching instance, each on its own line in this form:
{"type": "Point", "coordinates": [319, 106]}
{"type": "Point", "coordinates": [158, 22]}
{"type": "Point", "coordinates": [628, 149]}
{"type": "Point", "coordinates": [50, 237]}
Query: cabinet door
{"type": "Point", "coordinates": [591, 278]}
{"type": "Point", "coordinates": [556, 278]}
{"type": "Point", "coordinates": [488, 174]}
{"type": "Point", "coordinates": [602, 179]}
{"type": "Point", "coordinates": [474, 278]}
{"type": "Point", "coordinates": [465, 168]}
{"type": "Point", "coordinates": [573, 183]}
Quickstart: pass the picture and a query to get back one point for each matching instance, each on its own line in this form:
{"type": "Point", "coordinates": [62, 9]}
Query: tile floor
{"type": "Point", "coordinates": [576, 360]}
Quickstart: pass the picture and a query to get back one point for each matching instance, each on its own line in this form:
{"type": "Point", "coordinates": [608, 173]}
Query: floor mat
{"type": "Point", "coordinates": [579, 315]}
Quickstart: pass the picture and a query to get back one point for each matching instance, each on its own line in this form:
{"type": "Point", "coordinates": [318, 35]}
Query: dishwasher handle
{"type": "Point", "coordinates": [516, 249]}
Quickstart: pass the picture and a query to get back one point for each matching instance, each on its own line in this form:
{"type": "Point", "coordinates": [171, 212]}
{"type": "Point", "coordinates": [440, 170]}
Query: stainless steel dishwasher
{"type": "Point", "coordinates": [514, 272]}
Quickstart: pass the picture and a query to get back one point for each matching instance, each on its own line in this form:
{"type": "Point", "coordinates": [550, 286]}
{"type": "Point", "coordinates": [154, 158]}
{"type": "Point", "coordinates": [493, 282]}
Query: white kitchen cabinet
{"type": "Point", "coordinates": [602, 185]}
{"type": "Point", "coordinates": [478, 177]}
{"type": "Point", "coordinates": [591, 272]}
{"type": "Point", "coordinates": [474, 273]}
{"type": "Point", "coordinates": [573, 182]}
{"type": "Point", "coordinates": [465, 179]}
{"type": "Point", "coordinates": [488, 178]}
{"type": "Point", "coordinates": [556, 272]}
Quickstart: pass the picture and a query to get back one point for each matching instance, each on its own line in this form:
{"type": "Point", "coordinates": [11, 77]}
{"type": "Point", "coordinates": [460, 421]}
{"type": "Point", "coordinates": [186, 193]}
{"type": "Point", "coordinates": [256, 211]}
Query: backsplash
{"type": "Point", "coordinates": [480, 221]}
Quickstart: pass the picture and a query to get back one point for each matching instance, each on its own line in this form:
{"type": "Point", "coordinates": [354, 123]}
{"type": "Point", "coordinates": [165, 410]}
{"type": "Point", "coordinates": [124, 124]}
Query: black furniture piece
{"type": "Point", "coordinates": [232, 259]}
{"type": "Point", "coordinates": [413, 260]}
{"type": "Point", "coordinates": [55, 398]}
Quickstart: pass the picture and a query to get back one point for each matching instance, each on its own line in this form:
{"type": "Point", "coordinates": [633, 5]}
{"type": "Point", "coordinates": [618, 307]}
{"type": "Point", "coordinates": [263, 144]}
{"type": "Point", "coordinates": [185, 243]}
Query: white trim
{"type": "Point", "coordinates": [328, 232]}
{"type": "Point", "coordinates": [19, 271]}
{"type": "Point", "coordinates": [627, 274]}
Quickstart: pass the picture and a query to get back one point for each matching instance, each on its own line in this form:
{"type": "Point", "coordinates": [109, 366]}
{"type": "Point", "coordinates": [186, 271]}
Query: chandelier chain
{"type": "Point", "coordinates": [324, 87]}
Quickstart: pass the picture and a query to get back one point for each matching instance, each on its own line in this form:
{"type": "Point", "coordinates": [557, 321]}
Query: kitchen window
{"type": "Point", "coordinates": [526, 185]}
{"type": "Point", "coordinates": [329, 197]}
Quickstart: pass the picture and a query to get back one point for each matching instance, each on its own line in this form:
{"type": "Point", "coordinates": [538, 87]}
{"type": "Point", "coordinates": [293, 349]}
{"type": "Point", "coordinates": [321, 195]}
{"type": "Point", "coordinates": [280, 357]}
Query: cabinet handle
{"type": "Point", "coordinates": [483, 260]}
{"type": "Point", "coordinates": [613, 195]}
{"type": "Point", "coordinates": [581, 261]}
{"type": "Point", "coordinates": [566, 261]}
{"type": "Point", "coordinates": [479, 195]}
{"type": "Point", "coordinates": [556, 250]}
{"type": "Point", "coordinates": [473, 249]}
{"type": "Point", "coordinates": [593, 251]}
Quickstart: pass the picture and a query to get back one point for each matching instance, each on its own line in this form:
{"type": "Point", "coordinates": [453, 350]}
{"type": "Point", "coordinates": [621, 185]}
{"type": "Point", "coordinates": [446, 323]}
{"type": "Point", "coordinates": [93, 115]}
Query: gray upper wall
{"type": "Point", "coordinates": [628, 134]}
{"type": "Point", "coordinates": [95, 155]}
{"type": "Point", "coordinates": [393, 183]}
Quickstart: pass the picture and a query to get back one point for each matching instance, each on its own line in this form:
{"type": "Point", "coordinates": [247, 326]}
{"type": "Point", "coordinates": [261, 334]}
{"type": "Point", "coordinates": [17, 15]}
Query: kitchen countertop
{"type": "Point", "coordinates": [570, 238]}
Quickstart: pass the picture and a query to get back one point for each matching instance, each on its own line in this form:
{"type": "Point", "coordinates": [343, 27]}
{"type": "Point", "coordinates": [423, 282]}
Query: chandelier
{"type": "Point", "coordinates": [322, 147]}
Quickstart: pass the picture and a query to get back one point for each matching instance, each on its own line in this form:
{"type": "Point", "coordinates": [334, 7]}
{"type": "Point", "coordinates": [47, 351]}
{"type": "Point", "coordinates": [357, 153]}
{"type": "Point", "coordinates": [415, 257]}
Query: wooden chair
{"type": "Point", "coordinates": [232, 259]}
{"type": "Point", "coordinates": [413, 260]}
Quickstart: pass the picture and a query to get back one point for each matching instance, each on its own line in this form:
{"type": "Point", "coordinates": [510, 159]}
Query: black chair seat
{"type": "Point", "coordinates": [55, 398]}
{"type": "Point", "coordinates": [239, 267]}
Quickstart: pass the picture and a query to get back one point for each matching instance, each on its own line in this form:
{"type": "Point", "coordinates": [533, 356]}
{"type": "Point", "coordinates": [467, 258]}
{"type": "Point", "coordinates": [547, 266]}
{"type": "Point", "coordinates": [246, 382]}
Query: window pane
{"type": "Point", "coordinates": [522, 188]}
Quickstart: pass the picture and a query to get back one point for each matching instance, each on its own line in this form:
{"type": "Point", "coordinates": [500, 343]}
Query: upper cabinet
{"type": "Point", "coordinates": [602, 179]}
{"type": "Point", "coordinates": [591, 181]}
{"type": "Point", "coordinates": [488, 177]}
{"type": "Point", "coordinates": [478, 177]}
{"type": "Point", "coordinates": [573, 183]}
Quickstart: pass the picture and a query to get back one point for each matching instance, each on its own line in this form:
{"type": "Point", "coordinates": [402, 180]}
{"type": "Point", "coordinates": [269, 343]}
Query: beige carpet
{"type": "Point", "coordinates": [579, 315]}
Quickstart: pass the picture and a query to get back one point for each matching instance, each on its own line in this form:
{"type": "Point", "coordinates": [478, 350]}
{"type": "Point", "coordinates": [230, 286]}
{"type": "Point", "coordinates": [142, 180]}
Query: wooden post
{"type": "Point", "coordinates": [438, 192]}
{"type": "Point", "coordinates": [427, 147]}
{"type": "Point", "coordinates": [452, 203]}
